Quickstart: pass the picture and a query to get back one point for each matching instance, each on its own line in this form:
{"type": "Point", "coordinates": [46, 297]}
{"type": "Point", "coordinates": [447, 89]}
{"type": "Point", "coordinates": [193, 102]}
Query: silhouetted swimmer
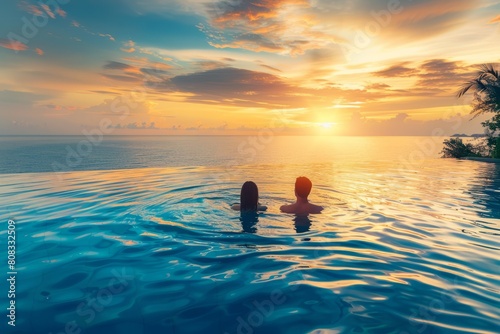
{"type": "Point", "coordinates": [249, 199]}
{"type": "Point", "coordinates": [249, 206]}
{"type": "Point", "coordinates": [302, 206]}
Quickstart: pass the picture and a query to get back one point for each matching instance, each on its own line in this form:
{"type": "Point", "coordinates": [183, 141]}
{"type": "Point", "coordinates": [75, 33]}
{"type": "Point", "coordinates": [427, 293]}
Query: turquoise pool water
{"type": "Point", "coordinates": [406, 247]}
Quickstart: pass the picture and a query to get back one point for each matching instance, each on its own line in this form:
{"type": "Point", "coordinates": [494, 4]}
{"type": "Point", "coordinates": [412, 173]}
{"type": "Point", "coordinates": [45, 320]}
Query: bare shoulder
{"type": "Point", "coordinates": [287, 208]}
{"type": "Point", "coordinates": [315, 208]}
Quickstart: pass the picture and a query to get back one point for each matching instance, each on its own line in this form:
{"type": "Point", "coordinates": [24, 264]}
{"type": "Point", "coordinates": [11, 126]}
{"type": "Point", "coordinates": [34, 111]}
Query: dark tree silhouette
{"type": "Point", "coordinates": [486, 90]}
{"type": "Point", "coordinates": [456, 148]}
{"type": "Point", "coordinates": [486, 87]}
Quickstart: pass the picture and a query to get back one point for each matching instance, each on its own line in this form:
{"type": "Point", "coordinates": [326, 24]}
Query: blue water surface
{"type": "Point", "coordinates": [406, 247]}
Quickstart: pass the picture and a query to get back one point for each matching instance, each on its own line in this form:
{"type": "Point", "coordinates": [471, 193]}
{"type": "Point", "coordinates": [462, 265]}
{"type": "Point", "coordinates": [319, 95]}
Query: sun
{"type": "Point", "coordinates": [326, 125]}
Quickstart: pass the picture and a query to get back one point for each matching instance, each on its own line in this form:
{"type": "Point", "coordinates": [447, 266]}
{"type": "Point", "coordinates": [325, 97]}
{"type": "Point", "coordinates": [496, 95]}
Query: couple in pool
{"type": "Point", "coordinates": [249, 199]}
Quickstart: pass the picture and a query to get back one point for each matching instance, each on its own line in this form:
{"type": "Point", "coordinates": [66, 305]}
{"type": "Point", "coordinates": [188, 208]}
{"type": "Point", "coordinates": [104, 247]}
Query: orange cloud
{"type": "Point", "coordinates": [146, 63]}
{"type": "Point", "coordinates": [432, 9]}
{"type": "Point", "coordinates": [254, 11]}
{"type": "Point", "coordinates": [496, 19]}
{"type": "Point", "coordinates": [48, 11]}
{"type": "Point", "coordinates": [40, 11]}
{"type": "Point", "coordinates": [296, 26]}
{"type": "Point", "coordinates": [61, 12]}
{"type": "Point", "coordinates": [277, 26]}
{"type": "Point", "coordinates": [32, 9]}
{"type": "Point", "coordinates": [13, 45]}
{"type": "Point", "coordinates": [39, 51]}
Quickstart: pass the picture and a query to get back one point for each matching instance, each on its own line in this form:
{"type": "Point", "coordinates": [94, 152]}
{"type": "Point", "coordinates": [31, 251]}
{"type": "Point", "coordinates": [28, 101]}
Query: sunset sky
{"type": "Point", "coordinates": [341, 67]}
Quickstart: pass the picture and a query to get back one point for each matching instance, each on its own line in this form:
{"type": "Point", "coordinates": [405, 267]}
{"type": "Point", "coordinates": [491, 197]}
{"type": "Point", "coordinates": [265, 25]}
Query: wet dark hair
{"type": "Point", "coordinates": [303, 186]}
{"type": "Point", "coordinates": [249, 197]}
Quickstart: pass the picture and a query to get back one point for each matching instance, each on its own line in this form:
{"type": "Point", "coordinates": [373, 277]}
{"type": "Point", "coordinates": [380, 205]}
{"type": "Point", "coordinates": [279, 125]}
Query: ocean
{"type": "Point", "coordinates": [136, 235]}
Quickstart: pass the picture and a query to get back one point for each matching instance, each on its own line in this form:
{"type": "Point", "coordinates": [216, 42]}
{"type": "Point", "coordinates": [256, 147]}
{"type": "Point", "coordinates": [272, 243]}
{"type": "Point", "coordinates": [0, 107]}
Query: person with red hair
{"type": "Point", "coordinates": [302, 206]}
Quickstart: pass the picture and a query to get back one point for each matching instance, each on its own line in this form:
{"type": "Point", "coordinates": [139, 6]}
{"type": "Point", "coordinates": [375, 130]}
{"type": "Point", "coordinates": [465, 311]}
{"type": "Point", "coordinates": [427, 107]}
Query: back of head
{"type": "Point", "coordinates": [249, 197]}
{"type": "Point", "coordinates": [303, 187]}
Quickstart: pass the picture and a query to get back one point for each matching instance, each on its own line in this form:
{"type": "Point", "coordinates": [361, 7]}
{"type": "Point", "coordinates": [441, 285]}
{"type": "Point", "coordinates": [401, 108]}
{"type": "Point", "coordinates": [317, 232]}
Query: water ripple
{"type": "Point", "coordinates": [159, 250]}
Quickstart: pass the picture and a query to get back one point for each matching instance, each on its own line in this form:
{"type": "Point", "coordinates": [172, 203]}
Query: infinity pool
{"type": "Point", "coordinates": [158, 250]}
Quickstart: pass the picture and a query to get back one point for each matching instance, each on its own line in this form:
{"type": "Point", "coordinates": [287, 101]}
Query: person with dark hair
{"type": "Point", "coordinates": [302, 206]}
{"type": "Point", "coordinates": [249, 199]}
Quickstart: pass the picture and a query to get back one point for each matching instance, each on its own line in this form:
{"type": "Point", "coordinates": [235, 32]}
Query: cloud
{"type": "Point", "coordinates": [241, 87]}
{"type": "Point", "coordinates": [31, 9]}
{"type": "Point", "coordinates": [123, 78]}
{"type": "Point", "coordinates": [39, 51]}
{"type": "Point", "coordinates": [20, 97]}
{"type": "Point", "coordinates": [111, 38]}
{"type": "Point", "coordinates": [209, 64]}
{"type": "Point", "coordinates": [143, 62]}
{"type": "Point", "coordinates": [271, 68]}
{"type": "Point", "coordinates": [396, 71]}
{"type": "Point", "coordinates": [495, 20]}
{"type": "Point", "coordinates": [279, 26]}
{"type": "Point", "coordinates": [128, 46]}
{"type": "Point", "coordinates": [58, 107]}
{"type": "Point", "coordinates": [104, 92]}
{"type": "Point", "coordinates": [234, 86]}
{"type": "Point", "coordinates": [109, 106]}
{"type": "Point", "coordinates": [136, 126]}
{"type": "Point", "coordinates": [296, 26]}
{"type": "Point", "coordinates": [115, 65]}
{"type": "Point", "coordinates": [77, 24]}
{"type": "Point", "coordinates": [151, 72]}
{"type": "Point", "coordinates": [61, 12]}
{"type": "Point", "coordinates": [402, 124]}
{"type": "Point", "coordinates": [194, 128]}
{"type": "Point", "coordinates": [250, 11]}
{"type": "Point", "coordinates": [36, 113]}
{"type": "Point", "coordinates": [400, 20]}
{"type": "Point", "coordinates": [377, 86]}
{"type": "Point", "coordinates": [440, 73]}
{"type": "Point", "coordinates": [13, 45]}
{"type": "Point", "coordinates": [439, 65]}
{"type": "Point", "coordinates": [43, 10]}
{"type": "Point", "coordinates": [432, 77]}
{"type": "Point", "coordinates": [47, 10]}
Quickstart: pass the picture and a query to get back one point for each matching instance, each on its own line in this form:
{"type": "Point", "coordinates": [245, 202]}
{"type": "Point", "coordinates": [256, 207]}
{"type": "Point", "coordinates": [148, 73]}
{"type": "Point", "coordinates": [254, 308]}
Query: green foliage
{"type": "Point", "coordinates": [493, 124]}
{"type": "Point", "coordinates": [496, 149]}
{"type": "Point", "coordinates": [486, 87]}
{"type": "Point", "coordinates": [456, 148]}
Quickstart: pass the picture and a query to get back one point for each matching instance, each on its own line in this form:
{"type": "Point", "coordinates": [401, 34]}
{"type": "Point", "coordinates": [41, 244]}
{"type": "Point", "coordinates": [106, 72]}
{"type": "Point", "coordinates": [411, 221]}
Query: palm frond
{"type": "Point", "coordinates": [476, 84]}
{"type": "Point", "coordinates": [486, 89]}
{"type": "Point", "coordinates": [489, 70]}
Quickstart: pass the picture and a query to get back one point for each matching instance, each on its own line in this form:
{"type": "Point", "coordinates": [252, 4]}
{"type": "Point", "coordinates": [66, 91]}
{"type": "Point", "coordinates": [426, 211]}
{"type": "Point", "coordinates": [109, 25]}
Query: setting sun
{"type": "Point", "coordinates": [327, 125]}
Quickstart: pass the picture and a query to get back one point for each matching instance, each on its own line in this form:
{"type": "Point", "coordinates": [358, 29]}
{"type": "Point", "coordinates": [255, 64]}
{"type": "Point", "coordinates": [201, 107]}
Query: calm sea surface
{"type": "Point", "coordinates": [136, 235]}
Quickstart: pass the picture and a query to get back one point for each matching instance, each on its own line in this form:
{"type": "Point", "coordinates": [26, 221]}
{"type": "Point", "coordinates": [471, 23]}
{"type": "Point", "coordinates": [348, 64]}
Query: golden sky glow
{"type": "Point", "coordinates": [235, 67]}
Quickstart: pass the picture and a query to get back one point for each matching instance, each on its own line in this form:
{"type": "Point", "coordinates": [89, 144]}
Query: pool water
{"type": "Point", "coordinates": [400, 248]}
